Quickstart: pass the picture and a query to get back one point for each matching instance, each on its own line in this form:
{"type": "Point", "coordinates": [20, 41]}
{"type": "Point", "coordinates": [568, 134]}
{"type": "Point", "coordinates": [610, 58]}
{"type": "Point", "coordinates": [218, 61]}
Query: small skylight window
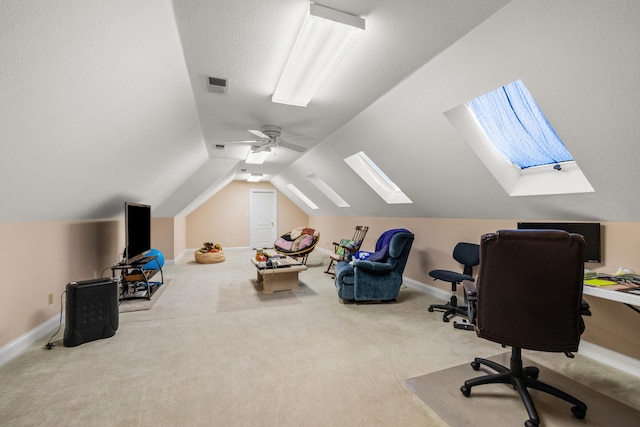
{"type": "Point", "coordinates": [509, 133]}
{"type": "Point", "coordinates": [302, 196]}
{"type": "Point", "coordinates": [376, 178]}
{"type": "Point", "coordinates": [328, 191]}
{"type": "Point", "coordinates": [517, 128]}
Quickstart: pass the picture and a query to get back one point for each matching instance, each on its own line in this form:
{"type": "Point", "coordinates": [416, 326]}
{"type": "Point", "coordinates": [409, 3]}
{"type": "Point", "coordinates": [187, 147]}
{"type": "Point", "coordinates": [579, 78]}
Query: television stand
{"type": "Point", "coordinates": [135, 283]}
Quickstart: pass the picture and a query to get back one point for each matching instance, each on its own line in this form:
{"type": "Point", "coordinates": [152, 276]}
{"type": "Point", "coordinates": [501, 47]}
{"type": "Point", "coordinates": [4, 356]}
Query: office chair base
{"type": "Point", "coordinates": [464, 326]}
{"type": "Point", "coordinates": [449, 310]}
{"type": "Point", "coordinates": [521, 379]}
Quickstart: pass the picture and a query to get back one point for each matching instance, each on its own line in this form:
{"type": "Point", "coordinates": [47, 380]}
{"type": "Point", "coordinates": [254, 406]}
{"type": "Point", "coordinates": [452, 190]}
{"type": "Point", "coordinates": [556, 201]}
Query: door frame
{"type": "Point", "coordinates": [274, 214]}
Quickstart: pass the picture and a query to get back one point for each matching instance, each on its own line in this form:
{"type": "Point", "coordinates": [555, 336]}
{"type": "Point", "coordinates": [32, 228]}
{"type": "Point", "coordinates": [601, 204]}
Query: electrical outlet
{"type": "Point", "coordinates": [50, 299]}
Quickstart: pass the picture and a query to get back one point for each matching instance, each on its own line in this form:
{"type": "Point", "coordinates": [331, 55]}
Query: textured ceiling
{"type": "Point", "coordinates": [104, 102]}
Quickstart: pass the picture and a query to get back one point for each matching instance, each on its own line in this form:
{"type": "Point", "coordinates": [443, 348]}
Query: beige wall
{"type": "Point", "coordinates": [163, 236]}
{"type": "Point", "coordinates": [225, 218]}
{"type": "Point", "coordinates": [39, 259]}
{"type": "Point", "coordinates": [180, 236]}
{"type": "Point", "coordinates": [612, 325]}
{"type": "Point", "coordinates": [169, 236]}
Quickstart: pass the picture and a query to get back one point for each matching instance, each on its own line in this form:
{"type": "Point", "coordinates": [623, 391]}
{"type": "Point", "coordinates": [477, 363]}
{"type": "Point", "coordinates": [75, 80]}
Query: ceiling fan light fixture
{"type": "Point", "coordinates": [325, 36]}
{"type": "Point", "coordinates": [257, 158]}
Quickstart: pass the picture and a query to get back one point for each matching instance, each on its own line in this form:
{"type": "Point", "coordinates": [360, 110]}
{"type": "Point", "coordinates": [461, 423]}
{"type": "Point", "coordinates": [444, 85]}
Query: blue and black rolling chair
{"type": "Point", "coordinates": [467, 254]}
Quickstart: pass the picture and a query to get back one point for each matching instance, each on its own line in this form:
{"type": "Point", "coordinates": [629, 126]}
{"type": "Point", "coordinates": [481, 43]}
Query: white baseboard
{"type": "Point", "coordinates": [611, 358]}
{"type": "Point", "coordinates": [19, 345]}
{"type": "Point", "coordinates": [593, 351]}
{"type": "Point", "coordinates": [431, 290]}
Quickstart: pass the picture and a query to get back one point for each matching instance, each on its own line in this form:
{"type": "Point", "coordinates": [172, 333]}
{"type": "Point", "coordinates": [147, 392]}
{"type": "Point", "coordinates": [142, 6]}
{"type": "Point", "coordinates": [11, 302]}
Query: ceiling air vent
{"type": "Point", "coordinates": [219, 146]}
{"type": "Point", "coordinates": [218, 85]}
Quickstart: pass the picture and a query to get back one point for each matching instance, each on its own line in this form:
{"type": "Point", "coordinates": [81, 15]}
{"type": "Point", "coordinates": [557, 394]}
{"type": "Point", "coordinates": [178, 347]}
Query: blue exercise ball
{"type": "Point", "coordinates": [156, 263]}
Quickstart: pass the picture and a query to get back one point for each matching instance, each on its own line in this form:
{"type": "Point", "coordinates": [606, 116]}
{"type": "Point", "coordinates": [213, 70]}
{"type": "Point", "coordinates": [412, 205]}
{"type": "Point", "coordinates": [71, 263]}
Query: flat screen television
{"type": "Point", "coordinates": [589, 230]}
{"type": "Point", "coordinates": [137, 225]}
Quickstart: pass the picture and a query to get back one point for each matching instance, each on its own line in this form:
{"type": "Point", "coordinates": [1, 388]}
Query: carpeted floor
{"type": "Point", "coordinates": [213, 351]}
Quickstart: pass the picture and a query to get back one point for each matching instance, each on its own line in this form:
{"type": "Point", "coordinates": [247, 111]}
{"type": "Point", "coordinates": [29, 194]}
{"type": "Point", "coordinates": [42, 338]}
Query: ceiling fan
{"type": "Point", "coordinates": [268, 137]}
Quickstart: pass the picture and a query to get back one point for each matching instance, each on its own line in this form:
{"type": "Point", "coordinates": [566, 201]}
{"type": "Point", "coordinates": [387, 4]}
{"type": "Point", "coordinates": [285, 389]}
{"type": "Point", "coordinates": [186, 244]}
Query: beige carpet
{"type": "Point", "coordinates": [500, 405]}
{"type": "Point", "coordinates": [213, 351]}
{"type": "Point", "coordinates": [129, 305]}
{"type": "Point", "coordinates": [245, 295]}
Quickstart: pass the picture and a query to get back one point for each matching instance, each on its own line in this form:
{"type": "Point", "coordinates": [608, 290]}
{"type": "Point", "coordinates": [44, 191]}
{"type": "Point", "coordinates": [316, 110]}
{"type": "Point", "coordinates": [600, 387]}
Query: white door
{"type": "Point", "coordinates": [264, 213]}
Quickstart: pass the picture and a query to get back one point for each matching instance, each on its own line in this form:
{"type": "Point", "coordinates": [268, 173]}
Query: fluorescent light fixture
{"type": "Point", "coordinates": [325, 36]}
{"type": "Point", "coordinates": [376, 179]}
{"type": "Point", "coordinates": [301, 195]}
{"type": "Point", "coordinates": [258, 158]}
{"type": "Point", "coordinates": [254, 177]}
{"type": "Point", "coordinates": [328, 191]}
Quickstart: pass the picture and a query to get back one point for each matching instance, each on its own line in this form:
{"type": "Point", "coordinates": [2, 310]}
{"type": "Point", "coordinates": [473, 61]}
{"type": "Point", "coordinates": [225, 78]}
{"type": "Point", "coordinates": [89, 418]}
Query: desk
{"type": "Point", "coordinates": [619, 296]}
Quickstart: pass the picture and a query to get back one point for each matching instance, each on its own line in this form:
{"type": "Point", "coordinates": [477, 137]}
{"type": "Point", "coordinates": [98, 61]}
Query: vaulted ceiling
{"type": "Point", "coordinates": [106, 102]}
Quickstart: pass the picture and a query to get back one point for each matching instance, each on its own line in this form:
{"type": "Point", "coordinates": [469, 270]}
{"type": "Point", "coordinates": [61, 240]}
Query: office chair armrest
{"type": "Point", "coordinates": [372, 266]}
{"type": "Point", "coordinates": [469, 290]}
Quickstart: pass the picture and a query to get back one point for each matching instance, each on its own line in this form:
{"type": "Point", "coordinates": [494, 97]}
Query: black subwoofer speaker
{"type": "Point", "coordinates": [92, 311]}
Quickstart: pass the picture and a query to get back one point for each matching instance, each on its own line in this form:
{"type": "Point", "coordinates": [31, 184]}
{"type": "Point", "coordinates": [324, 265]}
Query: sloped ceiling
{"type": "Point", "coordinates": [576, 58]}
{"type": "Point", "coordinates": [104, 102]}
{"type": "Point", "coordinates": [96, 108]}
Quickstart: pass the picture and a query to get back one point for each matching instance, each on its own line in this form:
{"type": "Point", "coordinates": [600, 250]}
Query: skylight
{"type": "Point", "coordinates": [328, 191]}
{"type": "Point", "coordinates": [517, 128]}
{"type": "Point", "coordinates": [302, 196]}
{"type": "Point", "coordinates": [509, 133]}
{"type": "Point", "coordinates": [376, 178]}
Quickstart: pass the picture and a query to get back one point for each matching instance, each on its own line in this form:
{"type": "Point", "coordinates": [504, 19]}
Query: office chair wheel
{"type": "Point", "coordinates": [475, 366]}
{"type": "Point", "coordinates": [579, 412]}
{"type": "Point", "coordinates": [430, 309]}
{"type": "Point", "coordinates": [530, 423]}
{"type": "Point", "coordinates": [445, 319]}
{"type": "Point", "coordinates": [466, 391]}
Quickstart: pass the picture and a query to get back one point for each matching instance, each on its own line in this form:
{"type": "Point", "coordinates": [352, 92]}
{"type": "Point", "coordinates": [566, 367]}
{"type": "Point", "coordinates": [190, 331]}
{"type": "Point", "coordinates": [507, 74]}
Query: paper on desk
{"type": "Point", "coordinates": [600, 282]}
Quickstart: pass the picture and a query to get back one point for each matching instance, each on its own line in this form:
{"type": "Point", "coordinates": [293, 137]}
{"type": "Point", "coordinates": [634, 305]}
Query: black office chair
{"type": "Point", "coordinates": [529, 295]}
{"type": "Point", "coordinates": [467, 254]}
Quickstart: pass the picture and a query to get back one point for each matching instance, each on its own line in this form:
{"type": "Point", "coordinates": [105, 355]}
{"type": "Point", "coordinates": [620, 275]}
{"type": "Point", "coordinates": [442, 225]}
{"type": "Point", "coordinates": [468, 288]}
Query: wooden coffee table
{"type": "Point", "coordinates": [282, 276]}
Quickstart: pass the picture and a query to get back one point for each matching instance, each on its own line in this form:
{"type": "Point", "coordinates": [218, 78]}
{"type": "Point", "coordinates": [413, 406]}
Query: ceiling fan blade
{"type": "Point", "coordinates": [253, 141]}
{"type": "Point", "coordinates": [291, 146]}
{"type": "Point", "coordinates": [258, 133]}
{"type": "Point", "coordinates": [261, 148]}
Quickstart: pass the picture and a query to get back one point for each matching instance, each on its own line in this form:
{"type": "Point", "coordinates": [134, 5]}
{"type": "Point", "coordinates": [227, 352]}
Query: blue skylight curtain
{"type": "Point", "coordinates": [517, 128]}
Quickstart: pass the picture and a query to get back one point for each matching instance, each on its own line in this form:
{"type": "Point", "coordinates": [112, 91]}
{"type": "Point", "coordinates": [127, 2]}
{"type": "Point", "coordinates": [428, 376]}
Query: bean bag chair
{"type": "Point", "coordinates": [209, 254]}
